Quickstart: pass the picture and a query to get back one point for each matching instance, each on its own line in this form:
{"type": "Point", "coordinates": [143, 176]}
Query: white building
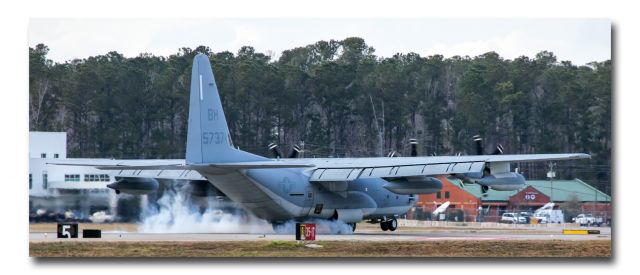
{"type": "Point", "coordinates": [57, 188]}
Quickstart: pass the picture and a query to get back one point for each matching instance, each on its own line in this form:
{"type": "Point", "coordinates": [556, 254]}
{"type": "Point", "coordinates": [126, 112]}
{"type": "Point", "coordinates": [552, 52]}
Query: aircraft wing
{"type": "Point", "coordinates": [331, 169]}
{"type": "Point", "coordinates": [173, 169]}
{"type": "Point", "coordinates": [175, 164]}
{"type": "Point", "coordinates": [351, 169]}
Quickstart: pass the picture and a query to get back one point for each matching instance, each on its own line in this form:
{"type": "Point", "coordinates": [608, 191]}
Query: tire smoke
{"type": "Point", "coordinates": [177, 212]}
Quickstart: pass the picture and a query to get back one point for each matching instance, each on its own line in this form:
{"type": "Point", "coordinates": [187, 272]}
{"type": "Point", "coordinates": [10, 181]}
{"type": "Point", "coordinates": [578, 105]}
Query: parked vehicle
{"type": "Point", "coordinates": [101, 217]}
{"type": "Point", "coordinates": [512, 218]}
{"type": "Point", "coordinates": [587, 220]}
{"type": "Point", "coordinates": [527, 216]}
{"type": "Point", "coordinates": [549, 216]}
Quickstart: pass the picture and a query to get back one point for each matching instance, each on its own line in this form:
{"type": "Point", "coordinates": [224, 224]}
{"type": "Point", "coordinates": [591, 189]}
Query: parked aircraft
{"type": "Point", "coordinates": [285, 189]}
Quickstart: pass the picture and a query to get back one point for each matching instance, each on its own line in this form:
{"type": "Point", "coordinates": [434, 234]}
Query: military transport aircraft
{"type": "Point", "coordinates": [285, 189]}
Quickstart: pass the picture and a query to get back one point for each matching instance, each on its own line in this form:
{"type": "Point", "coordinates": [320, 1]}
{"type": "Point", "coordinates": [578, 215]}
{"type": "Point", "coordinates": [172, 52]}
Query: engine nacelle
{"type": "Point", "coordinates": [135, 186]}
{"type": "Point", "coordinates": [414, 185]}
{"type": "Point", "coordinates": [508, 181]}
{"type": "Point", "coordinates": [349, 215]}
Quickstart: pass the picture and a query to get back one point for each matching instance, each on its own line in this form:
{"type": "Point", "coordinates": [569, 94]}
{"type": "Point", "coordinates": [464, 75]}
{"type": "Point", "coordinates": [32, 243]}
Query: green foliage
{"type": "Point", "coordinates": [113, 106]}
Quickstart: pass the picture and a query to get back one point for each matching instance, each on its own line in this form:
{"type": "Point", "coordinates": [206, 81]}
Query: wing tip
{"type": "Point", "coordinates": [584, 156]}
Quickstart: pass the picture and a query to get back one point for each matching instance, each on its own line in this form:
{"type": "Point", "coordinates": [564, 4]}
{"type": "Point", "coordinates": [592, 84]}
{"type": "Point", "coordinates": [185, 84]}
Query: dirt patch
{"type": "Point", "coordinates": [536, 248]}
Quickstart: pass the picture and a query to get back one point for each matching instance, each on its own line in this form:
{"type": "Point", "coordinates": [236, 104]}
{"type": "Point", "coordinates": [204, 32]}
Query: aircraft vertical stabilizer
{"type": "Point", "coordinates": [208, 137]}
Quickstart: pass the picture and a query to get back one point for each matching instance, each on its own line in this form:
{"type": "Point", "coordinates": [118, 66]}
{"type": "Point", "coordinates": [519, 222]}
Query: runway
{"type": "Point", "coordinates": [123, 240]}
{"type": "Point", "coordinates": [367, 235]}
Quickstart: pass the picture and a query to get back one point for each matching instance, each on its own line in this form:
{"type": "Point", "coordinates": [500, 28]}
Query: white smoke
{"type": "Point", "coordinates": [176, 212]}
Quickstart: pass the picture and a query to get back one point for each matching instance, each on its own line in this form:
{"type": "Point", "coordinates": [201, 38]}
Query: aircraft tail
{"type": "Point", "coordinates": [208, 137]}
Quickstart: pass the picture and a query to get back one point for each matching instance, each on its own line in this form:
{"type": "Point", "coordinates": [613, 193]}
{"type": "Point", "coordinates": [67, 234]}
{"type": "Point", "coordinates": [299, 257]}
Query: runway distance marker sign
{"type": "Point", "coordinates": [305, 231]}
{"type": "Point", "coordinates": [67, 230]}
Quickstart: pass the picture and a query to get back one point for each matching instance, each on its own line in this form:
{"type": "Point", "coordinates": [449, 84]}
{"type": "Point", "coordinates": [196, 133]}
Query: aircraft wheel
{"type": "Point", "coordinates": [384, 226]}
{"type": "Point", "coordinates": [393, 224]}
{"type": "Point", "coordinates": [353, 227]}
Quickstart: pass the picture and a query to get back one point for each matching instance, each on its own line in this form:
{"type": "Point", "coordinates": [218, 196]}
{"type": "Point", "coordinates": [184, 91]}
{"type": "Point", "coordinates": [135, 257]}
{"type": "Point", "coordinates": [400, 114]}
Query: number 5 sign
{"type": "Point", "coordinates": [68, 230]}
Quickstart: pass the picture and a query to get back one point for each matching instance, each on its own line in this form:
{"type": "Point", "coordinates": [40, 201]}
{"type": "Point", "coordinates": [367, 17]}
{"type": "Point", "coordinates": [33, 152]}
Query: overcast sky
{"type": "Point", "coordinates": [578, 40]}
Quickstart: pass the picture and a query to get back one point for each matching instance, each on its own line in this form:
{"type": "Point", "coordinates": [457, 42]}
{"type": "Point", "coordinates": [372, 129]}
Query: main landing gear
{"type": "Point", "coordinates": [390, 225]}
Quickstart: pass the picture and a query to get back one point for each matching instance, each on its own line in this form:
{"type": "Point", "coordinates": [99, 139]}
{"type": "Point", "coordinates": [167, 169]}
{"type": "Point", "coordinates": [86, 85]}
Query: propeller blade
{"type": "Point", "coordinates": [414, 147]}
{"type": "Point", "coordinates": [499, 150]}
{"type": "Point", "coordinates": [274, 150]}
{"type": "Point", "coordinates": [477, 139]}
{"type": "Point", "coordinates": [294, 152]}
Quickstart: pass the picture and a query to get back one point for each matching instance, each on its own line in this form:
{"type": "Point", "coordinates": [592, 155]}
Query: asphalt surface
{"type": "Point", "coordinates": [369, 234]}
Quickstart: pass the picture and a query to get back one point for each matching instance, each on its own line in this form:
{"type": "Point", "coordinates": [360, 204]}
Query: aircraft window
{"type": "Point", "coordinates": [438, 195]}
{"type": "Point", "coordinates": [55, 156]}
{"type": "Point", "coordinates": [45, 182]}
{"type": "Point", "coordinates": [30, 181]}
{"type": "Point", "coordinates": [43, 155]}
{"type": "Point", "coordinates": [446, 194]}
{"type": "Point", "coordinates": [310, 195]}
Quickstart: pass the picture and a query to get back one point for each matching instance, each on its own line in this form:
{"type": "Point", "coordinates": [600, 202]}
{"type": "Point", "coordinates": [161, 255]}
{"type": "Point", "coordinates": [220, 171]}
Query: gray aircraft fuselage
{"type": "Point", "coordinates": [286, 194]}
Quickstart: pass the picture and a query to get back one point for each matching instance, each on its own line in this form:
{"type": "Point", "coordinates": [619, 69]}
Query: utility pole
{"type": "Point", "coordinates": [551, 174]}
{"type": "Point", "coordinates": [380, 131]}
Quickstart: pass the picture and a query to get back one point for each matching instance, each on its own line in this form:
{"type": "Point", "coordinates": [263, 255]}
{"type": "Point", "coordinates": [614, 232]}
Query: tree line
{"type": "Point", "coordinates": [337, 97]}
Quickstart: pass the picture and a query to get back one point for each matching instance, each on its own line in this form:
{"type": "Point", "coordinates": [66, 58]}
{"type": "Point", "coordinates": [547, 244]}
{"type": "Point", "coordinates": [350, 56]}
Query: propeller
{"type": "Point", "coordinates": [414, 147]}
{"type": "Point", "coordinates": [274, 150]}
{"type": "Point", "coordinates": [479, 148]}
{"type": "Point", "coordinates": [477, 140]}
{"type": "Point", "coordinates": [294, 152]}
{"type": "Point", "coordinates": [393, 154]}
{"type": "Point", "coordinates": [499, 150]}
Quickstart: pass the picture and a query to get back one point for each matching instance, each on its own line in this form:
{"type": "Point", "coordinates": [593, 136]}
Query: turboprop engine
{"type": "Point", "coordinates": [507, 181]}
{"type": "Point", "coordinates": [495, 175]}
{"type": "Point", "coordinates": [413, 185]}
{"type": "Point", "coordinates": [135, 186]}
